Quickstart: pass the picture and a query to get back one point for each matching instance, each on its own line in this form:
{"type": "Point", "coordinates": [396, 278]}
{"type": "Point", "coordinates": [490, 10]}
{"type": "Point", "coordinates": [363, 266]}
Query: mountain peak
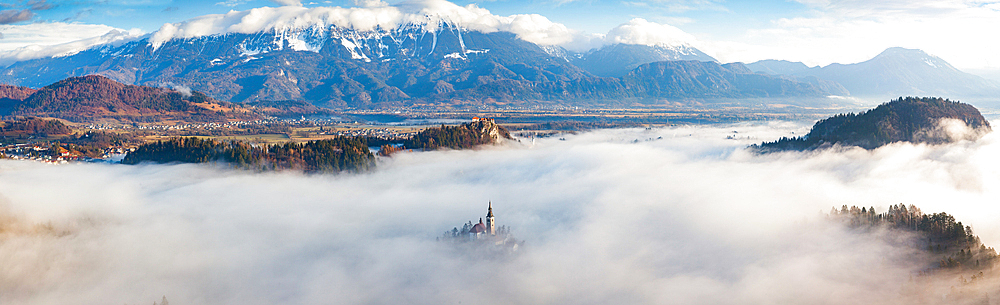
{"type": "Point", "coordinates": [897, 51]}
{"type": "Point", "coordinates": [895, 71]}
{"type": "Point", "coordinates": [912, 54]}
{"type": "Point", "coordinates": [619, 59]}
{"type": "Point", "coordinates": [900, 58]}
{"type": "Point", "coordinates": [775, 66]}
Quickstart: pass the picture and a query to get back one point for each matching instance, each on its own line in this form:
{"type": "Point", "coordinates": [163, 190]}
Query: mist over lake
{"type": "Point", "coordinates": [663, 215]}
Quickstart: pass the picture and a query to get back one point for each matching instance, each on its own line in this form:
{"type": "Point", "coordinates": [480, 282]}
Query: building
{"type": "Point", "coordinates": [484, 233]}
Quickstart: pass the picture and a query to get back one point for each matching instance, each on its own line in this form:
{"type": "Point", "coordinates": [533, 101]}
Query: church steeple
{"type": "Point", "coordinates": [490, 222]}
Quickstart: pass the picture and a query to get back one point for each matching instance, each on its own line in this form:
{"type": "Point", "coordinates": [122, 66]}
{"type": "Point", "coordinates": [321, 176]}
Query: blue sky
{"type": "Point", "coordinates": [817, 32]}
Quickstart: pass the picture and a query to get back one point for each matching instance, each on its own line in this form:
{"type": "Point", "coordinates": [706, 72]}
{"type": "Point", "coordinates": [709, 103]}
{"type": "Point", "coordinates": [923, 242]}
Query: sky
{"type": "Point", "coordinates": [615, 216]}
{"type": "Point", "coordinates": [817, 32]}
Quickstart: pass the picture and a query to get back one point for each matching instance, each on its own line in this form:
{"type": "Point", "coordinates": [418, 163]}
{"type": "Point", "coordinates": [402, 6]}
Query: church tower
{"type": "Point", "coordinates": [490, 222]}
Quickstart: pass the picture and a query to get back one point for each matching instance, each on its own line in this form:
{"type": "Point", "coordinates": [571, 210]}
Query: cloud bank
{"type": "Point", "coordinates": [676, 215]}
{"type": "Point", "coordinates": [22, 42]}
{"type": "Point", "coordinates": [37, 40]}
{"type": "Point", "coordinates": [371, 16]}
{"type": "Point", "coordinates": [374, 15]}
{"type": "Point", "coordinates": [847, 31]}
{"type": "Point", "coordinates": [642, 32]}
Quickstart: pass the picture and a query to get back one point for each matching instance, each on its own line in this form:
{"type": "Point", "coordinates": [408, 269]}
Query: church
{"type": "Point", "coordinates": [483, 233]}
{"type": "Point", "coordinates": [480, 229]}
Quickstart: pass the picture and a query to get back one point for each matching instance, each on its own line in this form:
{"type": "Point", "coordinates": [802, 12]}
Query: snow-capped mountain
{"type": "Point", "coordinates": [334, 65]}
{"type": "Point", "coordinates": [408, 58]}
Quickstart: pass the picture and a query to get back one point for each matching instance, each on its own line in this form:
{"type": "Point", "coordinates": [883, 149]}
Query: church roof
{"type": "Point", "coordinates": [490, 214]}
{"type": "Point", "coordinates": [478, 228]}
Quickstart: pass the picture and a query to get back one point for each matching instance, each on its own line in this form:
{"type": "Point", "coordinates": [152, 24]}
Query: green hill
{"type": "Point", "coordinates": [910, 119]}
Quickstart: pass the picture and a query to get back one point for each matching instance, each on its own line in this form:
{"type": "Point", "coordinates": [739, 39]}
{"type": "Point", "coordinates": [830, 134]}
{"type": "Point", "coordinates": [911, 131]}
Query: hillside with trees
{"type": "Point", "coordinates": [83, 98]}
{"type": "Point", "coordinates": [331, 155]}
{"type": "Point", "coordinates": [910, 119]}
{"type": "Point", "coordinates": [11, 96]}
{"type": "Point", "coordinates": [32, 127]}
{"type": "Point", "coordinates": [94, 97]}
{"type": "Point", "coordinates": [954, 266]}
{"type": "Point", "coordinates": [949, 243]}
{"type": "Point", "coordinates": [15, 92]}
{"type": "Point", "coordinates": [478, 132]}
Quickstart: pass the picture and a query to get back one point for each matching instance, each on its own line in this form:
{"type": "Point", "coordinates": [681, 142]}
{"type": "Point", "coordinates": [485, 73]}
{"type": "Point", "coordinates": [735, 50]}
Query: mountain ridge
{"type": "Point", "coordinates": [893, 72]}
{"type": "Point", "coordinates": [349, 69]}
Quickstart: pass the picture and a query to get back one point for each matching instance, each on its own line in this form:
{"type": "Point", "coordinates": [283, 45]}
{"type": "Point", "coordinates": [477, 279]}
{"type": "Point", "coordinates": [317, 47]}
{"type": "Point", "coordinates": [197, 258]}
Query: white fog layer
{"type": "Point", "coordinates": [681, 216]}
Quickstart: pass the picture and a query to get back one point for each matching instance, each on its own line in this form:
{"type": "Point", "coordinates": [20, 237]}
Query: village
{"type": "Point", "coordinates": [56, 154]}
{"type": "Point", "coordinates": [77, 146]}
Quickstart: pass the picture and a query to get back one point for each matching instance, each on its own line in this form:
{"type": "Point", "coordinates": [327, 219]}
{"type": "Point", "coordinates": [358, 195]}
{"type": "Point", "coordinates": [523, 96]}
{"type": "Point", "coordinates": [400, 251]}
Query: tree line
{"type": "Point", "coordinates": [953, 243]}
{"type": "Point", "coordinates": [329, 155]}
{"type": "Point", "coordinates": [33, 127]}
{"type": "Point", "coordinates": [465, 136]}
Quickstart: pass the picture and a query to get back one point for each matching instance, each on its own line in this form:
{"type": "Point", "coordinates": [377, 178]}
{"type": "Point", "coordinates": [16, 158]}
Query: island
{"type": "Point", "coordinates": [930, 120]}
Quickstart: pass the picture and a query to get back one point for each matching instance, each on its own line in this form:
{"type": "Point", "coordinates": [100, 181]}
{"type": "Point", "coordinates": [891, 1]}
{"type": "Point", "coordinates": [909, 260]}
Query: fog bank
{"type": "Point", "coordinates": [675, 215]}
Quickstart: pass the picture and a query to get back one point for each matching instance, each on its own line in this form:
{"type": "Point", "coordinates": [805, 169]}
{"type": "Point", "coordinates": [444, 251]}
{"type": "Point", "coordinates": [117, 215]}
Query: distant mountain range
{"type": "Point", "coordinates": [447, 65]}
{"type": "Point", "coordinates": [619, 59]}
{"type": "Point", "coordinates": [410, 66]}
{"type": "Point", "coordinates": [893, 73]}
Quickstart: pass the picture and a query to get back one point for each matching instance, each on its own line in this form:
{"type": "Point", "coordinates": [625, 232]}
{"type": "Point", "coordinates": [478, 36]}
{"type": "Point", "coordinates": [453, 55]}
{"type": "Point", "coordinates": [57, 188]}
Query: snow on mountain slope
{"type": "Point", "coordinates": [365, 56]}
{"type": "Point", "coordinates": [428, 15]}
{"type": "Point", "coordinates": [306, 29]}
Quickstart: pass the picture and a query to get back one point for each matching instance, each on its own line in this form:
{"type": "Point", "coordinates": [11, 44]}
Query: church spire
{"type": "Point", "coordinates": [490, 222]}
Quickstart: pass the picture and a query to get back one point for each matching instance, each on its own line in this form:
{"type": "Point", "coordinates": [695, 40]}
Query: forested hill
{"type": "Point", "coordinates": [15, 92]}
{"type": "Point", "coordinates": [331, 155]}
{"type": "Point", "coordinates": [11, 96]}
{"type": "Point", "coordinates": [96, 97]}
{"type": "Point", "coordinates": [32, 127]}
{"type": "Point", "coordinates": [910, 119]}
{"type": "Point", "coordinates": [947, 243]}
{"type": "Point", "coordinates": [478, 132]}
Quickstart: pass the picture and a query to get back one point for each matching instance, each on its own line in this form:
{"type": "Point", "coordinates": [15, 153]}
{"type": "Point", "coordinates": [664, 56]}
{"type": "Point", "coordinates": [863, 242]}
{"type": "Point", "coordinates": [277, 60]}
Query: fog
{"type": "Point", "coordinates": [678, 215]}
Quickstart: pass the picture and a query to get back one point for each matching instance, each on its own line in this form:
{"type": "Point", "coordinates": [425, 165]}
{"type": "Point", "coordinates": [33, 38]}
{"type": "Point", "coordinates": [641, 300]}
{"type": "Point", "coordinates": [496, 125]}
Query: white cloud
{"type": "Point", "coordinates": [690, 219]}
{"type": "Point", "coordinates": [678, 6]}
{"type": "Point", "coordinates": [36, 40]}
{"type": "Point", "coordinates": [370, 3]}
{"type": "Point", "coordinates": [377, 14]}
{"type": "Point", "coordinates": [231, 3]}
{"type": "Point", "coordinates": [16, 36]}
{"type": "Point", "coordinates": [288, 2]}
{"type": "Point", "coordinates": [182, 89]}
{"type": "Point", "coordinates": [530, 27]}
{"type": "Point", "coordinates": [852, 31]}
{"type": "Point", "coordinates": [640, 31]}
{"type": "Point", "coordinates": [369, 15]}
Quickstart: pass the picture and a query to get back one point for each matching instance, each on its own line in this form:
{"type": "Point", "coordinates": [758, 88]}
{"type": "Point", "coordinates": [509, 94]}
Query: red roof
{"type": "Point", "coordinates": [478, 228]}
